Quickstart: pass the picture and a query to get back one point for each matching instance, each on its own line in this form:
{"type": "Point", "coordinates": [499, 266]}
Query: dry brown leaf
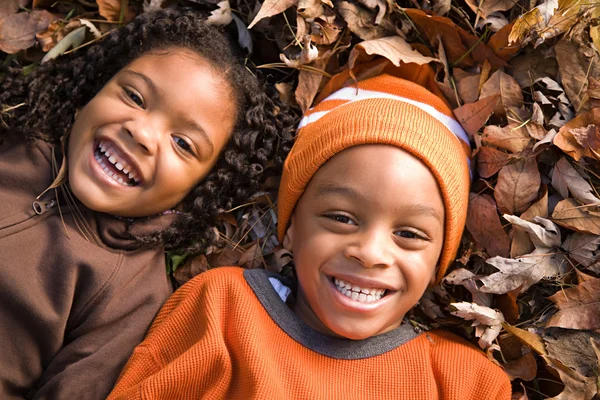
{"type": "Point", "coordinates": [544, 234]}
{"type": "Point", "coordinates": [479, 51]}
{"type": "Point", "coordinates": [579, 306]}
{"type": "Point", "coordinates": [394, 48]}
{"type": "Point", "coordinates": [381, 5]}
{"type": "Point", "coordinates": [572, 215]}
{"type": "Point", "coordinates": [524, 367]}
{"type": "Point", "coordinates": [474, 115]}
{"type": "Point", "coordinates": [577, 387]}
{"type": "Point", "coordinates": [583, 248]}
{"type": "Point", "coordinates": [573, 347]}
{"type": "Point", "coordinates": [467, 85]}
{"type": "Point", "coordinates": [511, 137]}
{"type": "Point", "coordinates": [499, 44]}
{"type": "Point", "coordinates": [111, 10]}
{"type": "Point", "coordinates": [524, 25]}
{"type": "Point", "coordinates": [573, 75]}
{"type": "Point", "coordinates": [310, 8]}
{"type": "Point", "coordinates": [10, 7]}
{"type": "Point", "coordinates": [464, 277]}
{"type": "Point", "coordinates": [521, 272]}
{"type": "Point", "coordinates": [520, 244]}
{"type": "Point", "coordinates": [484, 225]}
{"type": "Point", "coordinates": [486, 7]}
{"type": "Point", "coordinates": [518, 186]}
{"type": "Point", "coordinates": [17, 32]}
{"type": "Point", "coordinates": [507, 304]}
{"type": "Point", "coordinates": [529, 339]}
{"type": "Point", "coordinates": [580, 137]}
{"type": "Point", "coordinates": [488, 322]}
{"type": "Point", "coordinates": [270, 8]}
{"type": "Point", "coordinates": [324, 32]}
{"type": "Point", "coordinates": [539, 208]}
{"type": "Point", "coordinates": [490, 161]}
{"type": "Point", "coordinates": [360, 21]}
{"type": "Point", "coordinates": [508, 89]}
{"type": "Point", "coordinates": [309, 83]}
{"type": "Point", "coordinates": [566, 179]}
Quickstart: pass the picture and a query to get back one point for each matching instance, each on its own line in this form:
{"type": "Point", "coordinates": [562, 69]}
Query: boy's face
{"type": "Point", "coordinates": [150, 135]}
{"type": "Point", "coordinates": [371, 220]}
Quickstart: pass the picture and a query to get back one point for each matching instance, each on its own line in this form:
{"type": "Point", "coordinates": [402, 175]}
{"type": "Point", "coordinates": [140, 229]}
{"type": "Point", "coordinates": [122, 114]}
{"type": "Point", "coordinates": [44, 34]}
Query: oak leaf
{"type": "Point", "coordinates": [579, 306]}
{"type": "Point", "coordinates": [487, 321]}
{"type": "Point", "coordinates": [518, 186]}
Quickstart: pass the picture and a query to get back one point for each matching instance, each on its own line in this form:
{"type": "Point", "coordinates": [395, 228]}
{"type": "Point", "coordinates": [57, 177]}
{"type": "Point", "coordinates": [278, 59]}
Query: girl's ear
{"type": "Point", "coordinates": [289, 234]}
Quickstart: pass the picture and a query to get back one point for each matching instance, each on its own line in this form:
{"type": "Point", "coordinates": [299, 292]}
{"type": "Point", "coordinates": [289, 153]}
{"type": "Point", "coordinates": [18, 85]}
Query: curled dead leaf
{"type": "Point", "coordinates": [489, 321]}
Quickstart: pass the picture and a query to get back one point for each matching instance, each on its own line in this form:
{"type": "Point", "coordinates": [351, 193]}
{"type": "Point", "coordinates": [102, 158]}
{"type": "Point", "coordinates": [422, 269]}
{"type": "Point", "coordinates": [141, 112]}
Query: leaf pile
{"type": "Point", "coordinates": [523, 78]}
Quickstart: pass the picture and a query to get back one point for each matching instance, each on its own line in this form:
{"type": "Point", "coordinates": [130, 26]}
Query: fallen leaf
{"type": "Point", "coordinates": [111, 10]}
{"type": "Point", "coordinates": [518, 186]}
{"type": "Point", "coordinates": [222, 15]}
{"type": "Point", "coordinates": [573, 75]}
{"type": "Point", "coordinates": [309, 83]}
{"type": "Point", "coordinates": [579, 306]}
{"type": "Point", "coordinates": [474, 115]}
{"type": "Point", "coordinates": [520, 244]}
{"type": "Point", "coordinates": [484, 225]}
{"type": "Point", "coordinates": [72, 40]}
{"type": "Point", "coordinates": [10, 7]}
{"type": "Point", "coordinates": [490, 161]}
{"type": "Point", "coordinates": [577, 387]}
{"type": "Point", "coordinates": [500, 45]}
{"type": "Point", "coordinates": [544, 234]}
{"type": "Point", "coordinates": [511, 137]}
{"type": "Point", "coordinates": [529, 339]}
{"type": "Point", "coordinates": [539, 208]}
{"type": "Point", "coordinates": [573, 347]}
{"type": "Point", "coordinates": [486, 7]}
{"type": "Point", "coordinates": [570, 214]}
{"type": "Point", "coordinates": [583, 248]}
{"type": "Point", "coordinates": [17, 32]}
{"type": "Point", "coordinates": [381, 5]}
{"type": "Point", "coordinates": [521, 272]}
{"type": "Point", "coordinates": [509, 90]}
{"type": "Point", "coordinates": [566, 179]}
{"type": "Point", "coordinates": [464, 277]}
{"type": "Point", "coordinates": [489, 321]}
{"type": "Point", "coordinates": [524, 368]}
{"type": "Point", "coordinates": [270, 8]}
{"type": "Point", "coordinates": [467, 85]}
{"type": "Point", "coordinates": [394, 48]}
{"type": "Point", "coordinates": [507, 304]}
{"type": "Point", "coordinates": [360, 21]}
{"type": "Point", "coordinates": [309, 9]}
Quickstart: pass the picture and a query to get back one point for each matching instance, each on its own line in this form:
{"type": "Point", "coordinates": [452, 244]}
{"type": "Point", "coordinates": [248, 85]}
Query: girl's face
{"type": "Point", "coordinates": [150, 135]}
{"type": "Point", "coordinates": [366, 236]}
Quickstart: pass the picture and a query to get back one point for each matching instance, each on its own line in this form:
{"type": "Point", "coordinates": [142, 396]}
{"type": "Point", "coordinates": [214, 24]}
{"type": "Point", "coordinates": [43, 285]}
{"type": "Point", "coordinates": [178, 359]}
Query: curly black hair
{"type": "Point", "coordinates": [262, 134]}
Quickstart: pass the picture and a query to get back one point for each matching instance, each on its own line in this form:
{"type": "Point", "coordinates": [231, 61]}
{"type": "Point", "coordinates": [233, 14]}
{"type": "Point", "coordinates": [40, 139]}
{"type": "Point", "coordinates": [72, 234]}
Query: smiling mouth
{"type": "Point", "coordinates": [114, 166]}
{"type": "Point", "coordinates": [357, 293]}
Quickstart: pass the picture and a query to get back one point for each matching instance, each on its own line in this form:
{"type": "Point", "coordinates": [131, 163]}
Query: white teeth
{"type": "Point", "coordinates": [107, 153]}
{"type": "Point", "coordinates": [112, 159]}
{"type": "Point", "coordinates": [120, 180]}
{"type": "Point", "coordinates": [125, 171]}
{"type": "Point", "coordinates": [118, 163]}
{"type": "Point", "coordinates": [357, 293]}
{"type": "Point", "coordinates": [119, 166]}
{"type": "Point", "coordinates": [131, 176]}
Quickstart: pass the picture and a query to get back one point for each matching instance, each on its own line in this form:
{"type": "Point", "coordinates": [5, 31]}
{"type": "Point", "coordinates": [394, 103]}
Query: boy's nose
{"type": "Point", "coordinates": [373, 249]}
{"type": "Point", "coordinates": [144, 133]}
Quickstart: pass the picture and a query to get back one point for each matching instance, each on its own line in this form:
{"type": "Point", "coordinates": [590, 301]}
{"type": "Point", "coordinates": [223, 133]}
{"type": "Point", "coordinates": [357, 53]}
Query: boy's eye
{"type": "Point", "coordinates": [183, 144]}
{"type": "Point", "coordinates": [137, 99]}
{"type": "Point", "coordinates": [407, 234]}
{"type": "Point", "coordinates": [341, 218]}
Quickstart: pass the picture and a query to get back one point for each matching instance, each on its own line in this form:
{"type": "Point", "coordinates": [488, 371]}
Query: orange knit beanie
{"type": "Point", "coordinates": [385, 110]}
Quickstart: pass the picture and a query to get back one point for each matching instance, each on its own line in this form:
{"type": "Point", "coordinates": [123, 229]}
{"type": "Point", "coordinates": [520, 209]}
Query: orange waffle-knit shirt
{"type": "Point", "coordinates": [227, 334]}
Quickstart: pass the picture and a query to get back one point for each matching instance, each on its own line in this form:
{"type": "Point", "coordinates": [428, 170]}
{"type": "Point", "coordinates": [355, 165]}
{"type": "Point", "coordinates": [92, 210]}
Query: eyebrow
{"type": "Point", "coordinates": [186, 120]}
{"type": "Point", "coordinates": [330, 188]}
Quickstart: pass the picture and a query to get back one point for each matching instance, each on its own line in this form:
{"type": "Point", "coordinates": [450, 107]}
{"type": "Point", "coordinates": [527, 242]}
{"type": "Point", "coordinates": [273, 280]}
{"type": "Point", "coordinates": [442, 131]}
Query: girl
{"type": "Point", "coordinates": [107, 159]}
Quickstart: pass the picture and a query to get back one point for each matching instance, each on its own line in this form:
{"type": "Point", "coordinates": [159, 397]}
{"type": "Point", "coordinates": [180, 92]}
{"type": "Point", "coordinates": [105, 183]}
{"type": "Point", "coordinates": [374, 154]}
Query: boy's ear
{"type": "Point", "coordinates": [434, 275]}
{"type": "Point", "coordinates": [289, 234]}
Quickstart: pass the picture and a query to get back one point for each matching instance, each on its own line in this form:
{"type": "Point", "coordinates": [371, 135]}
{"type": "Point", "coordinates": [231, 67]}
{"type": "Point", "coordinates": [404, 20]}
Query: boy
{"type": "Point", "coordinates": [372, 204]}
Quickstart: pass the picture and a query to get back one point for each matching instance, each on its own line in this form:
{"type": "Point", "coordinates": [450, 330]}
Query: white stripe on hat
{"type": "Point", "coordinates": [353, 94]}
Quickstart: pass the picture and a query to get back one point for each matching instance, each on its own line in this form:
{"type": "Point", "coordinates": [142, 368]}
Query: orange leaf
{"type": "Point", "coordinates": [474, 115]}
{"type": "Point", "coordinates": [531, 340]}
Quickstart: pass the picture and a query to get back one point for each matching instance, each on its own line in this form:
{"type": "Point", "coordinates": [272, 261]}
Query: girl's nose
{"type": "Point", "coordinates": [373, 248]}
{"type": "Point", "coordinates": [144, 133]}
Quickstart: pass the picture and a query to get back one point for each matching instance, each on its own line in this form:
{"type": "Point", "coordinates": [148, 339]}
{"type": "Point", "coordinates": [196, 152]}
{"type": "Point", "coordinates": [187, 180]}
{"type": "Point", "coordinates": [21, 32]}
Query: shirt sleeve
{"type": "Point", "coordinates": [102, 338]}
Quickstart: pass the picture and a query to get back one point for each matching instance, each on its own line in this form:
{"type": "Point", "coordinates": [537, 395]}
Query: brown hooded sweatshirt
{"type": "Point", "coordinates": [71, 309]}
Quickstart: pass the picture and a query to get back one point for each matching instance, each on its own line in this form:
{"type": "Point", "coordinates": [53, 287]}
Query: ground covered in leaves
{"type": "Point", "coordinates": [523, 77]}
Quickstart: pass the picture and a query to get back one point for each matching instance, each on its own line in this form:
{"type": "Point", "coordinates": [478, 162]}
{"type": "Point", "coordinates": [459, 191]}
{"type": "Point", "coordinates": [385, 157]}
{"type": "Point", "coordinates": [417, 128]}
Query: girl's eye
{"type": "Point", "coordinates": [341, 218]}
{"type": "Point", "coordinates": [406, 234]}
{"type": "Point", "coordinates": [134, 97]}
{"type": "Point", "coordinates": [183, 144]}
